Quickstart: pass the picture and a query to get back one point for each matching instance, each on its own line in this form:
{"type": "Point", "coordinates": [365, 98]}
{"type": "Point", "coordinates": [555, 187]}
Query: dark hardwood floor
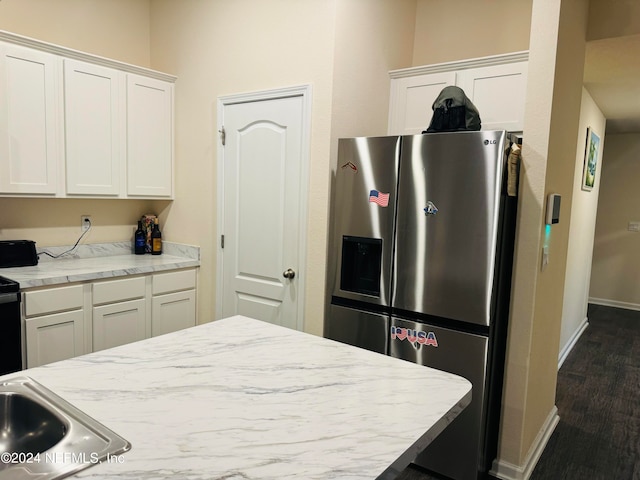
{"type": "Point", "coordinates": [598, 400]}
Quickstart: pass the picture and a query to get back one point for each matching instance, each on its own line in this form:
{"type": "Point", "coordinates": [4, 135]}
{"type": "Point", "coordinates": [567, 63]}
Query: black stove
{"type": "Point", "coordinates": [8, 286]}
{"type": "Point", "coordinates": [10, 327]}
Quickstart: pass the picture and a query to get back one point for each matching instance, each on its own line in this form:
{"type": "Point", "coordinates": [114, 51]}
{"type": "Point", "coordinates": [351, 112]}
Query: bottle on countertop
{"type": "Point", "coordinates": [140, 240]}
{"type": "Point", "coordinates": [156, 239]}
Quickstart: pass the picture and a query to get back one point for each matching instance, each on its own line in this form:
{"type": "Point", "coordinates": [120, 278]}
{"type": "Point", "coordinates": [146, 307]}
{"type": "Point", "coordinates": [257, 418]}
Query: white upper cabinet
{"type": "Point", "coordinates": [77, 125]}
{"type": "Point", "coordinates": [498, 92]}
{"type": "Point", "coordinates": [149, 137]}
{"type": "Point", "coordinates": [93, 106]}
{"type": "Point", "coordinates": [496, 86]}
{"type": "Point", "coordinates": [411, 101]}
{"type": "Point", "coordinates": [30, 140]}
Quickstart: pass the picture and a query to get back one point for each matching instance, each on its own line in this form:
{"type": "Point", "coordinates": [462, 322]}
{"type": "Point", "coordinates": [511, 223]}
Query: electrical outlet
{"type": "Point", "coordinates": [85, 222]}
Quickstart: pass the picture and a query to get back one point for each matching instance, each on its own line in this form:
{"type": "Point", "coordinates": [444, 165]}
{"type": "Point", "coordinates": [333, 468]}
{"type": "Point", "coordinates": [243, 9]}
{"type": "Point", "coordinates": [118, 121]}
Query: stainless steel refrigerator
{"type": "Point", "coordinates": [420, 253]}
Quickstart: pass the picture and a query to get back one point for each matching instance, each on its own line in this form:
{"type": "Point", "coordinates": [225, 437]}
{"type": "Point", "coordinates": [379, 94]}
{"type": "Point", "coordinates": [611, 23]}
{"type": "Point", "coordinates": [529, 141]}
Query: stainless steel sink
{"type": "Point", "coordinates": [43, 436]}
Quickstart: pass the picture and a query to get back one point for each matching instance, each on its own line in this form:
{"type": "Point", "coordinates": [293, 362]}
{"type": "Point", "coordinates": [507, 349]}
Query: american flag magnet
{"type": "Point", "coordinates": [379, 198]}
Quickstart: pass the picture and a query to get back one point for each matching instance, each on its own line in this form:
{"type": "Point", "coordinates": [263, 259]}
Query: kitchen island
{"type": "Point", "coordinates": [242, 399]}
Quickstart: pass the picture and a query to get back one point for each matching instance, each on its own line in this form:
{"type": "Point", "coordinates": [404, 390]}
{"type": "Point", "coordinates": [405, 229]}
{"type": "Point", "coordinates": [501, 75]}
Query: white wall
{"type": "Point", "coordinates": [581, 231]}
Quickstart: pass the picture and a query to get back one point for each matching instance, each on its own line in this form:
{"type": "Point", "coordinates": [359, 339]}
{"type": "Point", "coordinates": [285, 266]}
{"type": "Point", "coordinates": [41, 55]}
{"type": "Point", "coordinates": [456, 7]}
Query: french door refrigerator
{"type": "Point", "coordinates": [420, 253]}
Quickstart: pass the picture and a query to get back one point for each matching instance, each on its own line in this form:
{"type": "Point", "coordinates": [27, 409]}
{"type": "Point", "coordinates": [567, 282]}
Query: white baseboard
{"type": "Point", "coordinates": [614, 303]}
{"type": "Point", "coordinates": [508, 471]}
{"type": "Point", "coordinates": [564, 352]}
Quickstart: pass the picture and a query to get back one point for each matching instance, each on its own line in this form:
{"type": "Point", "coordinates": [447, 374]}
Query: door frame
{"type": "Point", "coordinates": [305, 92]}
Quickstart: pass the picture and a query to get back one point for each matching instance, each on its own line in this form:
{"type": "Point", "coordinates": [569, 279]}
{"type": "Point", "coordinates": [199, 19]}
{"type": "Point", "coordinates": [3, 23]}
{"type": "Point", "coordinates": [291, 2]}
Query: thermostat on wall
{"type": "Point", "coordinates": [553, 209]}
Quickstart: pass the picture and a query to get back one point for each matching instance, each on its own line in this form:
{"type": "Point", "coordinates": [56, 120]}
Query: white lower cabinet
{"type": "Point", "coordinates": [172, 312]}
{"type": "Point", "coordinates": [174, 301]}
{"type": "Point", "coordinates": [119, 312]}
{"type": "Point", "coordinates": [51, 338]}
{"type": "Point", "coordinates": [119, 323]}
{"type": "Point", "coordinates": [65, 322]}
{"type": "Point", "coordinates": [54, 325]}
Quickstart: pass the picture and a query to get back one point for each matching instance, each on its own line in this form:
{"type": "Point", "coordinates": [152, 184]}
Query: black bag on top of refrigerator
{"type": "Point", "coordinates": [453, 112]}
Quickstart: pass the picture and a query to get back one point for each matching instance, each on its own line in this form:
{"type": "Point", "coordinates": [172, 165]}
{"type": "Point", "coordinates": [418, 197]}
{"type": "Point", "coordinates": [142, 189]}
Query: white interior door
{"type": "Point", "coordinates": [264, 206]}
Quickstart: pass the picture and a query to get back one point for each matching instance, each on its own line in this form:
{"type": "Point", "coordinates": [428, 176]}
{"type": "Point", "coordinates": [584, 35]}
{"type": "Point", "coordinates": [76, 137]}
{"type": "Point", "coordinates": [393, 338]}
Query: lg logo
{"type": "Point", "coordinates": [490, 142]}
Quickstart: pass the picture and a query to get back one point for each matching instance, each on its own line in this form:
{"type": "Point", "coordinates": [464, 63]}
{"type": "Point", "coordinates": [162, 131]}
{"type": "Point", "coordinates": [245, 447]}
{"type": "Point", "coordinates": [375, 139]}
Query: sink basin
{"type": "Point", "coordinates": [27, 426]}
{"type": "Point", "coordinates": [43, 436]}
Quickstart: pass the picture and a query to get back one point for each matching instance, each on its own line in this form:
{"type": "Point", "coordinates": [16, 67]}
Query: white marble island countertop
{"type": "Point", "coordinates": [99, 261]}
{"type": "Point", "coordinates": [243, 399]}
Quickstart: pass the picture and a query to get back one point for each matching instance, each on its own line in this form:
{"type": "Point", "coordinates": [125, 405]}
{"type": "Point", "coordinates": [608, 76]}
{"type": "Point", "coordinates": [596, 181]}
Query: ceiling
{"type": "Point", "coordinates": [612, 77]}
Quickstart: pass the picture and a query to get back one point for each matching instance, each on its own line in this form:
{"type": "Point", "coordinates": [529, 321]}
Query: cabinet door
{"type": "Point", "coordinates": [172, 312]}
{"type": "Point", "coordinates": [94, 117]}
{"type": "Point", "coordinates": [411, 102]}
{"type": "Point", "coordinates": [29, 118]}
{"type": "Point", "coordinates": [118, 324]}
{"type": "Point", "coordinates": [498, 92]}
{"type": "Point", "coordinates": [149, 137]}
{"type": "Point", "coordinates": [51, 338]}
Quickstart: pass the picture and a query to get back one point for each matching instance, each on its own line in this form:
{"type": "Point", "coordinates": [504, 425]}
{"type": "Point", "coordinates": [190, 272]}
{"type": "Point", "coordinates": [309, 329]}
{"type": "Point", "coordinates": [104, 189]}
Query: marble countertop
{"type": "Point", "coordinates": [98, 261]}
{"type": "Point", "coordinates": [243, 399]}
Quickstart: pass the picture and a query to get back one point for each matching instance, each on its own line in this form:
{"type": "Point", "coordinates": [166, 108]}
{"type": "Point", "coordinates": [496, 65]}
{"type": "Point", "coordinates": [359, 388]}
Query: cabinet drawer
{"type": "Point", "coordinates": [118, 290]}
{"type": "Point", "coordinates": [174, 281]}
{"type": "Point", "coordinates": [53, 300]}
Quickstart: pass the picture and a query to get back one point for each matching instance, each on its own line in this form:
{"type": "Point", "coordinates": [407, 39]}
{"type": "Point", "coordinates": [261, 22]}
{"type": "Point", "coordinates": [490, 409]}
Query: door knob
{"type": "Point", "coordinates": [288, 273]}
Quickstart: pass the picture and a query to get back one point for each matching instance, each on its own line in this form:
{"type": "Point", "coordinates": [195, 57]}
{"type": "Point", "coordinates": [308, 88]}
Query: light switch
{"type": "Point", "coordinates": [634, 227]}
{"type": "Point", "coordinates": [545, 256]}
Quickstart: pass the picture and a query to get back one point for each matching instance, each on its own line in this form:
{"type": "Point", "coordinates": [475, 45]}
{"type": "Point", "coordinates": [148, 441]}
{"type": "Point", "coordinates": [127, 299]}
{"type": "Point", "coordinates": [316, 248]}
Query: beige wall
{"type": "Point", "coordinates": [613, 18]}
{"type": "Point", "coordinates": [222, 48]}
{"type": "Point", "coordinates": [550, 135]}
{"type": "Point", "coordinates": [581, 230]}
{"type": "Point", "coordinates": [341, 48]}
{"type": "Point", "coordinates": [447, 31]}
{"type": "Point", "coordinates": [556, 44]}
{"type": "Point", "coordinates": [371, 39]}
{"type": "Point", "coordinates": [117, 29]}
{"type": "Point", "coordinates": [615, 277]}
{"type": "Point", "coordinates": [616, 261]}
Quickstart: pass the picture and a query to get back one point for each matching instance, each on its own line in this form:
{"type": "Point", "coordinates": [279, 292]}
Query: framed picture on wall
{"type": "Point", "coordinates": [590, 160]}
